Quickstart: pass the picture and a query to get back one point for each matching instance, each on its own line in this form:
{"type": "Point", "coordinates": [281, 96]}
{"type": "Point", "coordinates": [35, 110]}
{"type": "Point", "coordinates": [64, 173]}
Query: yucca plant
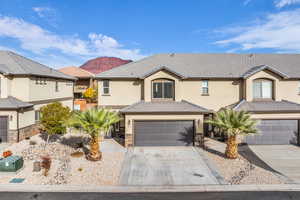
{"type": "Point", "coordinates": [93, 122]}
{"type": "Point", "coordinates": [233, 123]}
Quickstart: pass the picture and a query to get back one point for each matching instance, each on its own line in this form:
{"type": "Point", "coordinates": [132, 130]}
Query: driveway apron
{"type": "Point", "coordinates": [166, 166]}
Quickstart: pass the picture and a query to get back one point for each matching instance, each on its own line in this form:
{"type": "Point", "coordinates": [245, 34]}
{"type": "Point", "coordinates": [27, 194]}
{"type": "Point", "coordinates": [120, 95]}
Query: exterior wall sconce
{"type": "Point", "coordinates": [129, 122]}
{"type": "Point", "coordinates": [10, 117]}
{"type": "Point", "coordinates": [199, 122]}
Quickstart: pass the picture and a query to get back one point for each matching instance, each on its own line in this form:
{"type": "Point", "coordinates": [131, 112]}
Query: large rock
{"type": "Point", "coordinates": [102, 64]}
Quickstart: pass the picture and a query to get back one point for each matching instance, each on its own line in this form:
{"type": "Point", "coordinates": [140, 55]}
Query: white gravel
{"type": "Point", "coordinates": [64, 168]}
{"type": "Point", "coordinates": [240, 170]}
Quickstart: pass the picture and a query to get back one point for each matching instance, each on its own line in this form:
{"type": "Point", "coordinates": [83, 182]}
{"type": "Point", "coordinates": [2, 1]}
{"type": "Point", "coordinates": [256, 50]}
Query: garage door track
{"type": "Point", "coordinates": [167, 166]}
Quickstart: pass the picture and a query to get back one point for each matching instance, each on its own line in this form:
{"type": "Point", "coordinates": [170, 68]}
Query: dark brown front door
{"type": "Point", "coordinates": [3, 128]}
{"type": "Point", "coordinates": [164, 133]}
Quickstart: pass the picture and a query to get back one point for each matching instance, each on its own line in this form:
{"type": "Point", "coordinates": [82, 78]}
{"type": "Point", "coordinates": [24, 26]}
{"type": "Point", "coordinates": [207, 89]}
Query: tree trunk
{"type": "Point", "coordinates": [94, 154]}
{"type": "Point", "coordinates": [232, 148]}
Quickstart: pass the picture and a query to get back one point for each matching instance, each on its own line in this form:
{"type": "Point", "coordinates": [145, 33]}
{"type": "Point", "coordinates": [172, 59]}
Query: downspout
{"type": "Point", "coordinates": [18, 130]}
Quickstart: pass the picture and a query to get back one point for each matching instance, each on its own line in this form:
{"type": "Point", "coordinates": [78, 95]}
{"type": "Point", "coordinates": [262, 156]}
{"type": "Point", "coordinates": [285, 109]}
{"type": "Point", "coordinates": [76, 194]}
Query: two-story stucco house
{"type": "Point", "coordinates": [164, 99]}
{"type": "Point", "coordinates": [26, 86]}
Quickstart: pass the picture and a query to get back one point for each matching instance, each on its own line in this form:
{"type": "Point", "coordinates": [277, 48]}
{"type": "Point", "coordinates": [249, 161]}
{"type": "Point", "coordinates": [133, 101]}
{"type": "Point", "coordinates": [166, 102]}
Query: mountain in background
{"type": "Point", "coordinates": [102, 64]}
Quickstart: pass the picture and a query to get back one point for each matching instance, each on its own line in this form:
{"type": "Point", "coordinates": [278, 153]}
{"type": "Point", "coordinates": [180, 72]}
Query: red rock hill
{"type": "Point", "coordinates": [102, 64]}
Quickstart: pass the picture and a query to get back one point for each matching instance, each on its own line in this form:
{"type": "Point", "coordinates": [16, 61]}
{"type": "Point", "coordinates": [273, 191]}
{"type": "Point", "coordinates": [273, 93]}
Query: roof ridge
{"type": "Point", "coordinates": [239, 104]}
{"type": "Point", "coordinates": [283, 100]}
{"type": "Point", "coordinates": [196, 105]}
{"type": "Point", "coordinates": [145, 58]}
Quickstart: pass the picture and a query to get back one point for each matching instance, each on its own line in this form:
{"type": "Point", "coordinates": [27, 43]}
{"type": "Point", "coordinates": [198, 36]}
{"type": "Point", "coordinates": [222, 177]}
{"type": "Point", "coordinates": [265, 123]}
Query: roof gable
{"type": "Point", "coordinates": [257, 69]}
{"type": "Point", "coordinates": [162, 68]}
{"type": "Point", "coordinates": [14, 64]}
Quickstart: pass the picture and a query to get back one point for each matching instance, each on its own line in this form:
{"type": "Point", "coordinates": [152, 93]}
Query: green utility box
{"type": "Point", "coordinates": [11, 164]}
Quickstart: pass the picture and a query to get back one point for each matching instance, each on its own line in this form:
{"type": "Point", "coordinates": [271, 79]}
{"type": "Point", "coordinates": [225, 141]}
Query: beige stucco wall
{"type": "Point", "coordinates": [26, 118]}
{"type": "Point", "coordinates": [129, 120]}
{"type": "Point", "coordinates": [39, 92]}
{"type": "Point", "coordinates": [5, 86]}
{"type": "Point", "coordinates": [161, 75]}
{"type": "Point", "coordinates": [20, 88]}
{"type": "Point", "coordinates": [221, 93]}
{"type": "Point", "coordinates": [289, 90]}
{"type": "Point", "coordinates": [122, 92]}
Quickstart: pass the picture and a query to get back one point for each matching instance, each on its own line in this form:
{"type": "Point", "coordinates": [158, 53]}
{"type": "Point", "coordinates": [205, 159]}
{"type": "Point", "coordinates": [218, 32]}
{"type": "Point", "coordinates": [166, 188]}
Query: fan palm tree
{"type": "Point", "coordinates": [93, 122]}
{"type": "Point", "coordinates": [233, 123]}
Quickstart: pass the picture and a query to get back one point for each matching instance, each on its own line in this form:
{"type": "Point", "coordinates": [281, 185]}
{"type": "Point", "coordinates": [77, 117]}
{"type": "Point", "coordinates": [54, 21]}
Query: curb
{"type": "Point", "coordinates": [145, 189]}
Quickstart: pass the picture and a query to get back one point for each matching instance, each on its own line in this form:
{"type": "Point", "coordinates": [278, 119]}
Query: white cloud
{"type": "Point", "coordinates": [39, 41]}
{"type": "Point", "coordinates": [43, 11]}
{"type": "Point", "coordinates": [278, 31]}
{"type": "Point", "coordinates": [246, 2]}
{"type": "Point", "coordinates": [283, 3]}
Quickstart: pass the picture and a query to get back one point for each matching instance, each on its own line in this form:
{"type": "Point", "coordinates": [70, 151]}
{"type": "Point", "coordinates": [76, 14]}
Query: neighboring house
{"type": "Point", "coordinates": [165, 98]}
{"type": "Point", "coordinates": [26, 86]}
{"type": "Point", "coordinates": [84, 80]}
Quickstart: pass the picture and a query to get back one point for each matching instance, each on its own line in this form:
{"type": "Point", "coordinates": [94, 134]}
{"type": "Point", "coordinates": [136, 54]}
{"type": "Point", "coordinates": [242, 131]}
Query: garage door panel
{"type": "Point", "coordinates": [275, 132]}
{"type": "Point", "coordinates": [163, 133]}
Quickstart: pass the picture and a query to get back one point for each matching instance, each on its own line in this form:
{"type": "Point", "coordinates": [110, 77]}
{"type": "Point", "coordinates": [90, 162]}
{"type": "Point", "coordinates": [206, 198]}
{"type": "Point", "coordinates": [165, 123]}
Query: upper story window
{"type": "Point", "coordinates": [56, 86]}
{"type": "Point", "coordinates": [40, 81]}
{"type": "Point", "coordinates": [105, 87]}
{"type": "Point", "coordinates": [262, 89]}
{"type": "Point", "coordinates": [163, 89]}
{"type": "Point", "coordinates": [205, 87]}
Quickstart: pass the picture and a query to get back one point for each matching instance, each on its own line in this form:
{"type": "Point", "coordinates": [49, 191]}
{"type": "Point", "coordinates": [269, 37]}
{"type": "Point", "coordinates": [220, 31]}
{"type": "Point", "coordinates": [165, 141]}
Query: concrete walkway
{"type": "Point", "coordinates": [110, 145]}
{"type": "Point", "coordinates": [166, 166]}
{"type": "Point", "coordinates": [284, 159]}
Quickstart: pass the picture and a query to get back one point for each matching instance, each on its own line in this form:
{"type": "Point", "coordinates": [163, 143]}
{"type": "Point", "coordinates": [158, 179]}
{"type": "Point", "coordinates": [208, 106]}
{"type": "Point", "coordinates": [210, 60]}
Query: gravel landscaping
{"type": "Point", "coordinates": [67, 169]}
{"type": "Point", "coordinates": [246, 169]}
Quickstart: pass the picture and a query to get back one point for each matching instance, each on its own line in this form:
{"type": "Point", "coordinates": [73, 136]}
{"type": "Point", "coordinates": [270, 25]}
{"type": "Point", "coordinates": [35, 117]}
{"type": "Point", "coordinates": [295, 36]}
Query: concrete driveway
{"type": "Point", "coordinates": [167, 166]}
{"type": "Point", "coordinates": [284, 159]}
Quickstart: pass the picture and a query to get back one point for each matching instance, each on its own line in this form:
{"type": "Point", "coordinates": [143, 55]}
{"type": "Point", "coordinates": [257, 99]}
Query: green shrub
{"type": "Point", "coordinates": [54, 117]}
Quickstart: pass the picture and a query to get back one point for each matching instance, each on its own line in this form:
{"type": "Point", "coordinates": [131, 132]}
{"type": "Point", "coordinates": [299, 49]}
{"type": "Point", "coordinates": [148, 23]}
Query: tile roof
{"type": "Point", "coordinates": [76, 71]}
{"type": "Point", "coordinates": [209, 65]}
{"type": "Point", "coordinates": [267, 106]}
{"type": "Point", "coordinates": [13, 103]}
{"type": "Point", "coordinates": [164, 107]}
{"type": "Point", "coordinates": [14, 64]}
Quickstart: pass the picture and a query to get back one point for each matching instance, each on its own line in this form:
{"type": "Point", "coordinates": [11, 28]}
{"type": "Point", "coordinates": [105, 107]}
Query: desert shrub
{"type": "Point", "coordinates": [54, 117]}
{"type": "Point", "coordinates": [90, 94]}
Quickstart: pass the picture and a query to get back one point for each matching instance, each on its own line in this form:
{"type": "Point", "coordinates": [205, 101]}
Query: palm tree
{"type": "Point", "coordinates": [233, 123]}
{"type": "Point", "coordinates": [93, 122]}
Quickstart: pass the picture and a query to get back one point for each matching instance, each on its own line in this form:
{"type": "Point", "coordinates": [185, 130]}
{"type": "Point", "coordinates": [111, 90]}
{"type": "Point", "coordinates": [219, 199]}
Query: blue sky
{"type": "Point", "coordinates": [62, 33]}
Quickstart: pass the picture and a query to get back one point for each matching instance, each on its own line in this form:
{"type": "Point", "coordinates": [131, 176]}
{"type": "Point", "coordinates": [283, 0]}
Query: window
{"type": "Point", "coordinates": [262, 89]}
{"type": "Point", "coordinates": [37, 115]}
{"type": "Point", "coordinates": [56, 86]}
{"type": "Point", "coordinates": [163, 89]}
{"type": "Point", "coordinates": [205, 87]}
{"type": "Point", "coordinates": [105, 86]}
